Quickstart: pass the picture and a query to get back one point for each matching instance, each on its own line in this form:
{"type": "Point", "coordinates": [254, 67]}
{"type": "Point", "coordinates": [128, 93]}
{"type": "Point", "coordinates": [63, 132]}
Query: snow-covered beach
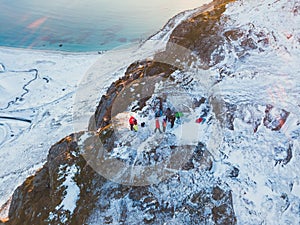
{"type": "Point", "coordinates": [42, 104]}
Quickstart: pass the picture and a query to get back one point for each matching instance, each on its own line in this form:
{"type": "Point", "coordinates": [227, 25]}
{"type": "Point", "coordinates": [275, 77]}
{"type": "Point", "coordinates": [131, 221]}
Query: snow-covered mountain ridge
{"type": "Point", "coordinates": [243, 166]}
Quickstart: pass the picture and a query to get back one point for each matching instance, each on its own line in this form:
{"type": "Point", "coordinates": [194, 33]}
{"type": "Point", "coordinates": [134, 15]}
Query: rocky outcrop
{"type": "Point", "coordinates": [36, 201]}
{"type": "Point", "coordinates": [201, 37]}
{"type": "Point", "coordinates": [205, 36]}
{"type": "Point", "coordinates": [137, 70]}
{"type": "Point", "coordinates": [202, 34]}
{"type": "Point", "coordinates": [42, 198]}
{"type": "Point", "coordinates": [272, 118]}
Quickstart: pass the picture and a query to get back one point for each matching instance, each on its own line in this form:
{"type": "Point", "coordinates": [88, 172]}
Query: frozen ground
{"type": "Point", "coordinates": [36, 107]}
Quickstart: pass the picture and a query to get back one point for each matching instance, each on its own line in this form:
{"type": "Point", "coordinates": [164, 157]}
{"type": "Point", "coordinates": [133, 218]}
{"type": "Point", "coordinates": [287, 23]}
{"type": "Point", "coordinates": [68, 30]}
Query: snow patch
{"type": "Point", "coordinates": [71, 189]}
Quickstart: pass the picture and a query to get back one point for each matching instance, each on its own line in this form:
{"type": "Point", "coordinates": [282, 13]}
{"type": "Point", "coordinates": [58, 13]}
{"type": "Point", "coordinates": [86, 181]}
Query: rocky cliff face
{"type": "Point", "coordinates": [37, 200]}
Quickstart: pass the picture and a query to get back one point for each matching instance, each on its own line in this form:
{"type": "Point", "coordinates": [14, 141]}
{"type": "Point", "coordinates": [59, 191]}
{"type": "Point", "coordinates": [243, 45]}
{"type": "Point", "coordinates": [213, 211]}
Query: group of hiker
{"type": "Point", "coordinates": [168, 117]}
{"type": "Point", "coordinates": [163, 117]}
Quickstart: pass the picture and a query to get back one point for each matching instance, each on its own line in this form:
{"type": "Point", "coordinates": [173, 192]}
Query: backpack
{"type": "Point", "coordinates": [158, 113]}
{"type": "Point", "coordinates": [178, 114]}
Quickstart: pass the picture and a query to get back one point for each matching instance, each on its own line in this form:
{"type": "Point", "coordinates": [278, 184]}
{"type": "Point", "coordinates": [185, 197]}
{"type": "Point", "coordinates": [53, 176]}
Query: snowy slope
{"type": "Point", "coordinates": [37, 93]}
{"type": "Point", "coordinates": [265, 192]}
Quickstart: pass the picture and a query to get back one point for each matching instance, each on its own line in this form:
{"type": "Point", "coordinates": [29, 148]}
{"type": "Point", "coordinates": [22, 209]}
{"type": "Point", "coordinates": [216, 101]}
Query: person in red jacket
{"type": "Point", "coordinates": [199, 120]}
{"type": "Point", "coordinates": [132, 122]}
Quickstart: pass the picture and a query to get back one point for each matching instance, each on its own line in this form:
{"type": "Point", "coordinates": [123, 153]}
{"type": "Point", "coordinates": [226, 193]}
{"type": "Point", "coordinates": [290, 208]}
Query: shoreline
{"type": "Point", "coordinates": [54, 52]}
{"type": "Point", "coordinates": [164, 28]}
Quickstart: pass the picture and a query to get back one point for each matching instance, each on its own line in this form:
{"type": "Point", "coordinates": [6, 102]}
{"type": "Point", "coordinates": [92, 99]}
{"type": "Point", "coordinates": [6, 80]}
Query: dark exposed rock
{"type": "Point", "coordinates": [201, 158]}
{"type": "Point", "coordinates": [202, 34]}
{"type": "Point", "coordinates": [108, 220]}
{"type": "Point", "coordinates": [37, 198]}
{"type": "Point", "coordinates": [283, 155]}
{"type": "Point", "coordinates": [196, 204]}
{"type": "Point", "coordinates": [223, 215]}
{"type": "Point", "coordinates": [217, 193]}
{"type": "Point", "coordinates": [214, 200]}
{"type": "Point", "coordinates": [25, 211]}
{"type": "Point", "coordinates": [234, 172]}
{"type": "Point", "coordinates": [225, 112]}
{"type": "Point", "coordinates": [199, 102]}
{"type": "Point", "coordinates": [2, 68]}
{"type": "Point", "coordinates": [188, 166]}
{"type": "Point", "coordinates": [141, 104]}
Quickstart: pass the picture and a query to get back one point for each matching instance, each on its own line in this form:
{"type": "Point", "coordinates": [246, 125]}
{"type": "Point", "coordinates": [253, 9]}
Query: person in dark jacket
{"type": "Point", "coordinates": [172, 120]}
{"type": "Point", "coordinates": [164, 124]}
{"type": "Point", "coordinates": [170, 117]}
{"type": "Point", "coordinates": [168, 113]}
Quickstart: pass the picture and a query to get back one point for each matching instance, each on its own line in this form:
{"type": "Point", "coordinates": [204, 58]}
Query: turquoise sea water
{"type": "Point", "coordinates": [84, 25]}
